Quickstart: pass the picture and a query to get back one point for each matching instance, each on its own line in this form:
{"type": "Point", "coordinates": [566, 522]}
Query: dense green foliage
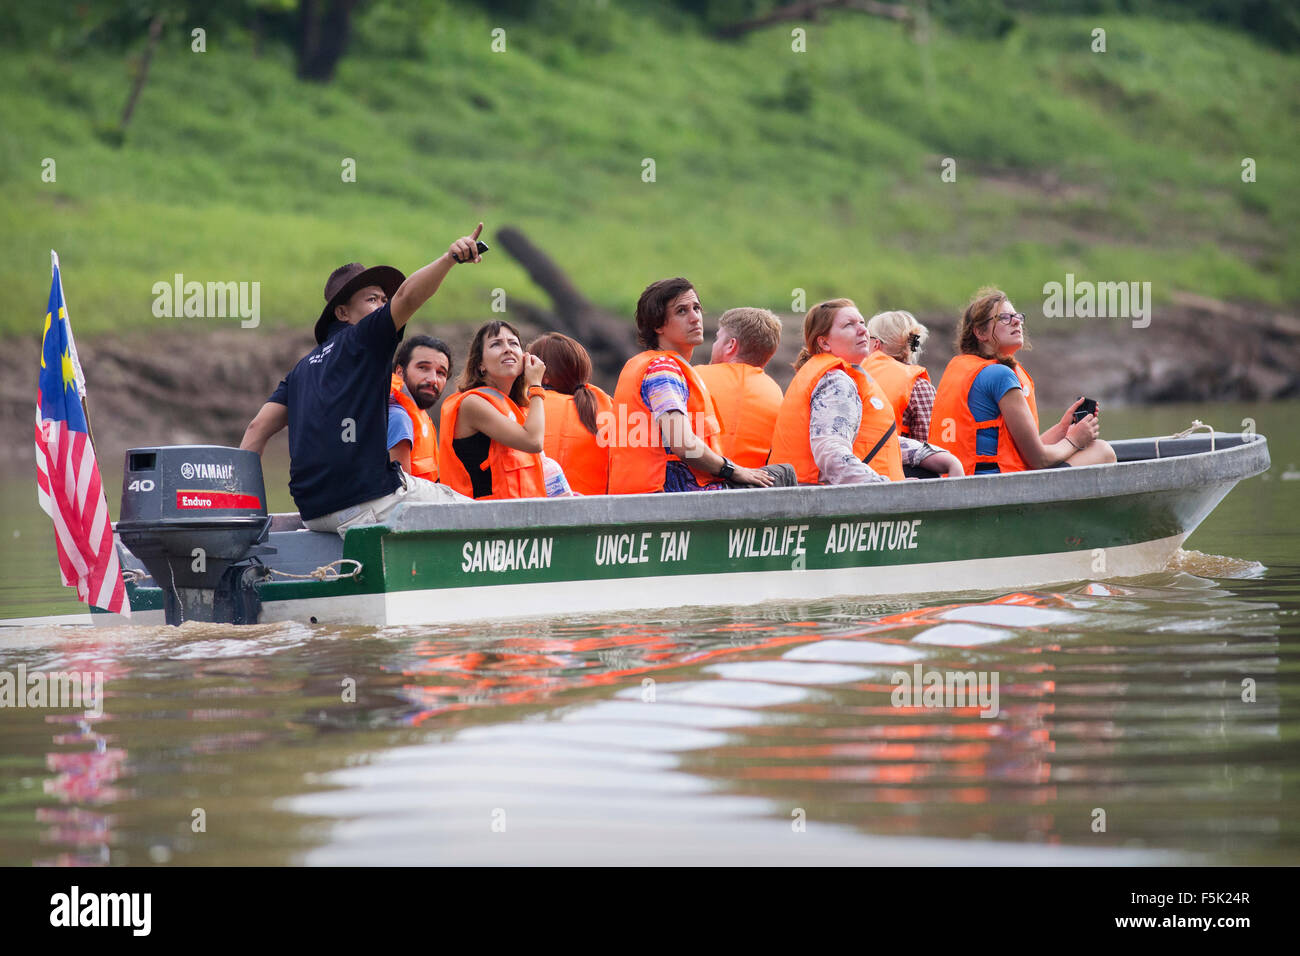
{"type": "Point", "coordinates": [775, 170]}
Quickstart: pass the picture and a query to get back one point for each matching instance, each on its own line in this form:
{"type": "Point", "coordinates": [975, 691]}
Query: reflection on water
{"type": "Point", "coordinates": [1160, 707]}
{"type": "Point", "coordinates": [776, 736]}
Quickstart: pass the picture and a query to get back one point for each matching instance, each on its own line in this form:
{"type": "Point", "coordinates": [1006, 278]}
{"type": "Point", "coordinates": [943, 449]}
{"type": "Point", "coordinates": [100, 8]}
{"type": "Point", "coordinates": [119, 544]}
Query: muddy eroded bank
{"type": "Point", "coordinates": [197, 385]}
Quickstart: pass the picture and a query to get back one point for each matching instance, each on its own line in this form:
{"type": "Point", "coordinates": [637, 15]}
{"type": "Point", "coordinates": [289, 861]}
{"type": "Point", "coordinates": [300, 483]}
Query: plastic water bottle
{"type": "Point", "coordinates": [556, 484]}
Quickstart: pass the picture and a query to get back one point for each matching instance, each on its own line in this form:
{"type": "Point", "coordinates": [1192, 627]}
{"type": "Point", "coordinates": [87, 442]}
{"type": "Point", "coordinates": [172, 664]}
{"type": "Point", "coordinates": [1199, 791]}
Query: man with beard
{"type": "Point", "coordinates": [419, 374]}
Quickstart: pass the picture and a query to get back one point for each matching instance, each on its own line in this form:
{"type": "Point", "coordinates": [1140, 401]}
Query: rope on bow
{"type": "Point", "coordinates": [1196, 425]}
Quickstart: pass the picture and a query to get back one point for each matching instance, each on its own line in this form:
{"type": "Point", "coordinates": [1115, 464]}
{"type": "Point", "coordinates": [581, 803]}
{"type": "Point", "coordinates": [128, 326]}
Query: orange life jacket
{"type": "Point", "coordinates": [747, 399]}
{"type": "Point", "coordinates": [956, 427]}
{"type": "Point", "coordinates": [515, 474]}
{"type": "Point", "coordinates": [583, 456]}
{"type": "Point", "coordinates": [638, 459]}
{"type": "Point", "coordinates": [791, 438]}
{"type": "Point", "coordinates": [424, 446]}
{"type": "Point", "coordinates": [896, 379]}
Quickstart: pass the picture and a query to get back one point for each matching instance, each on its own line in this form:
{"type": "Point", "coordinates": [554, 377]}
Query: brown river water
{"type": "Point", "coordinates": [747, 735]}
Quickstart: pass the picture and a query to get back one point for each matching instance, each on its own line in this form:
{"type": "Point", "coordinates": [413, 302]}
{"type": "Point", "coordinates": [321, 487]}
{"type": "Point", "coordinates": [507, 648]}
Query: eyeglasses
{"type": "Point", "coordinates": [1006, 318]}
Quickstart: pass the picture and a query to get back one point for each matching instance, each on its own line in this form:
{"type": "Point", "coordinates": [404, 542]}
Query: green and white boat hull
{"type": "Point", "coordinates": [433, 564]}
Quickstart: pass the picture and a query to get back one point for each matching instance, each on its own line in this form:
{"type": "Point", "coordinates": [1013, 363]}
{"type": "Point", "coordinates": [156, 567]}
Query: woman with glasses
{"type": "Point", "coordinates": [985, 410]}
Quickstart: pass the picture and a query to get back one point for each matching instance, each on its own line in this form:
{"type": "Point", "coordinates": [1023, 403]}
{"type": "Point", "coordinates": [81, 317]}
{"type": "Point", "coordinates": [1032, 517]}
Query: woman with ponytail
{"type": "Point", "coordinates": [575, 411]}
{"type": "Point", "coordinates": [836, 425]}
{"type": "Point", "coordinates": [985, 409]}
{"type": "Point", "coordinates": [896, 339]}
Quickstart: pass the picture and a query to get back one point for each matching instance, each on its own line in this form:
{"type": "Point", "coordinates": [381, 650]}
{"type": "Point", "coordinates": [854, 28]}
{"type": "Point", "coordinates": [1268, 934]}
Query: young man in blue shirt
{"type": "Point", "coordinates": [335, 400]}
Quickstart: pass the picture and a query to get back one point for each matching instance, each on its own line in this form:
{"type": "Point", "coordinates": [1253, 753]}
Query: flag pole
{"type": "Point", "coordinates": [72, 349]}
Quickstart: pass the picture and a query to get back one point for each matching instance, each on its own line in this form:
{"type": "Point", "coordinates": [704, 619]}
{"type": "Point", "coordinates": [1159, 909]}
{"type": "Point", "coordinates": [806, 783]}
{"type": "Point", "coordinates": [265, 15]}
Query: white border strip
{"type": "Point", "coordinates": [354, 609]}
{"type": "Point", "coordinates": [53, 619]}
{"type": "Point", "coordinates": [87, 619]}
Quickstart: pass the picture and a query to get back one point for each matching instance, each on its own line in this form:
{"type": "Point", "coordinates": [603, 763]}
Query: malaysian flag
{"type": "Point", "coordinates": [67, 476]}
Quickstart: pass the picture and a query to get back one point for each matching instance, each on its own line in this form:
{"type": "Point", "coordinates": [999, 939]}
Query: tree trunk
{"type": "Point", "coordinates": [609, 339]}
{"type": "Point", "coordinates": [142, 74]}
{"type": "Point", "coordinates": [323, 30]}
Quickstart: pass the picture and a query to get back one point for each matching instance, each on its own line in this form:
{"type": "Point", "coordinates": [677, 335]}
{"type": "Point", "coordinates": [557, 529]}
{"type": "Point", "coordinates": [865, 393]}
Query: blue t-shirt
{"type": "Point", "coordinates": [986, 391]}
{"type": "Point", "coordinates": [400, 426]}
{"type": "Point", "coordinates": [337, 398]}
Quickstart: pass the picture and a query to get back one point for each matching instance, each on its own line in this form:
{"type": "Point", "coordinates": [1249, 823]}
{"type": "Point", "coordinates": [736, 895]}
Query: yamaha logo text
{"type": "Point", "coordinates": [206, 470]}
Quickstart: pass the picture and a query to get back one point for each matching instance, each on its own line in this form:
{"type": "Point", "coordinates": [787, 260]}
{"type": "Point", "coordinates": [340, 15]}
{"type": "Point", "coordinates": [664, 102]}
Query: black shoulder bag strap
{"type": "Point", "coordinates": [880, 444]}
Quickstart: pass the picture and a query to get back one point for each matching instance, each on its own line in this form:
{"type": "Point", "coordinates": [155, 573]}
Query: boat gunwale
{"type": "Point", "coordinates": [1230, 464]}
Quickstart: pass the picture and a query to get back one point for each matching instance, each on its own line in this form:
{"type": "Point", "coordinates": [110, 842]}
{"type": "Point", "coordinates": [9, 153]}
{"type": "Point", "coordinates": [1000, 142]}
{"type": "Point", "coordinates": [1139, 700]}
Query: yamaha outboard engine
{"type": "Point", "coordinates": [195, 515]}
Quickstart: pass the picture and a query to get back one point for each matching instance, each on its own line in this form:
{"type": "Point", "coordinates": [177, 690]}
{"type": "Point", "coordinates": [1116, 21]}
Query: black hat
{"type": "Point", "coordinates": [343, 284]}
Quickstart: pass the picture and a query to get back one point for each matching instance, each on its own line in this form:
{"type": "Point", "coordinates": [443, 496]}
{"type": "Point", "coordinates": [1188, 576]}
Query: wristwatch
{"type": "Point", "coordinates": [727, 470]}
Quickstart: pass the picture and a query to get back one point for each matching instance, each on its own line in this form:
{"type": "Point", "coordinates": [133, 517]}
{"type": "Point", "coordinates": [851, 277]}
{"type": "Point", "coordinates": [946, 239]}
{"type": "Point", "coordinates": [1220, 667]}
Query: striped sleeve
{"type": "Point", "coordinates": [663, 388]}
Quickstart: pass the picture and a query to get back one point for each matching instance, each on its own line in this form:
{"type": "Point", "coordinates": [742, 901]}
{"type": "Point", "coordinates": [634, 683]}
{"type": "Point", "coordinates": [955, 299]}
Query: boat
{"type": "Point", "coordinates": [197, 543]}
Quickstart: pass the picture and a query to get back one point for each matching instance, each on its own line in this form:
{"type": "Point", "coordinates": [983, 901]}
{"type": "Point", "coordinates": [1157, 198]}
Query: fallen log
{"type": "Point", "coordinates": [609, 339]}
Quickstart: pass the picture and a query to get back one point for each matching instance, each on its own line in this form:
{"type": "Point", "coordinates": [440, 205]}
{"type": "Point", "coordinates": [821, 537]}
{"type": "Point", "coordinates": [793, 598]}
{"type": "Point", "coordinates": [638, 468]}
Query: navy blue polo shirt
{"type": "Point", "coordinates": [334, 465]}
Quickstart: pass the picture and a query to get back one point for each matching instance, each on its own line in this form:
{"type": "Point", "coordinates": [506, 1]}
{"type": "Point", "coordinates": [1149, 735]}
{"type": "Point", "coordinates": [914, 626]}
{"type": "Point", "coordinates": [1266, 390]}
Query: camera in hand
{"type": "Point", "coordinates": [1089, 407]}
{"type": "Point", "coordinates": [482, 248]}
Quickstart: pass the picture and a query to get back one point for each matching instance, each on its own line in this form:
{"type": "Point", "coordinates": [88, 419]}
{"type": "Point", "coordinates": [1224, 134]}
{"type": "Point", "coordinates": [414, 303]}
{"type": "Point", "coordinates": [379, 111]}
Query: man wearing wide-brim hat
{"type": "Point", "coordinates": [335, 401]}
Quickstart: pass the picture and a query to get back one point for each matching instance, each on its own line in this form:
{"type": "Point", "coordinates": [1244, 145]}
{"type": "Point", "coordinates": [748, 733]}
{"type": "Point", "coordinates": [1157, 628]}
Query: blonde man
{"type": "Point", "coordinates": [747, 397]}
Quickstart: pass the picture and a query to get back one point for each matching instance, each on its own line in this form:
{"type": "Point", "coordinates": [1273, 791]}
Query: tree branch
{"type": "Point", "coordinates": [810, 9]}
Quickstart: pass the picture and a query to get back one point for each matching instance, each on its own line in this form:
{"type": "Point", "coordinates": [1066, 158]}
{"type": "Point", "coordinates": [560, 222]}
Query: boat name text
{"type": "Point", "coordinates": [848, 536]}
{"type": "Point", "coordinates": [635, 548]}
{"type": "Point", "coordinates": [506, 554]}
{"type": "Point", "coordinates": [756, 542]}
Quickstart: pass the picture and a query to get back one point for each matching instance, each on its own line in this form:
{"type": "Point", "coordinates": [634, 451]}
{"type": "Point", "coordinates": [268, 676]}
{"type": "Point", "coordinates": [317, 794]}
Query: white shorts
{"type": "Point", "coordinates": [373, 512]}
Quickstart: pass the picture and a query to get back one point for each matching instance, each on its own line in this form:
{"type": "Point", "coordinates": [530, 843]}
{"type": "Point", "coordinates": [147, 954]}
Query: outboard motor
{"type": "Point", "coordinates": [195, 516]}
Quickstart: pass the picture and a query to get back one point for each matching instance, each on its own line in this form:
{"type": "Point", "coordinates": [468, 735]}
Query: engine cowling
{"type": "Point", "coordinates": [195, 516]}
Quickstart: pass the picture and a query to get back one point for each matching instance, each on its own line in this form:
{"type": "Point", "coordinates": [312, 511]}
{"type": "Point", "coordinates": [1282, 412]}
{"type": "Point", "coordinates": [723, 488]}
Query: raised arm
{"type": "Point", "coordinates": [420, 286]}
{"type": "Point", "coordinates": [478, 415]}
{"type": "Point", "coordinates": [269, 419]}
